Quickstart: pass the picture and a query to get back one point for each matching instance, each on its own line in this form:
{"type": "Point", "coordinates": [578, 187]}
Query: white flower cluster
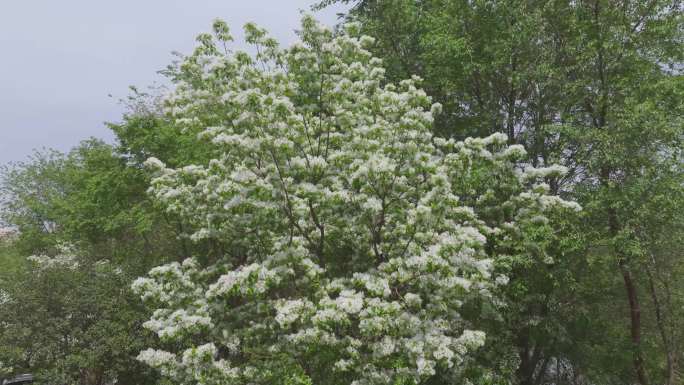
{"type": "Point", "coordinates": [253, 278]}
{"type": "Point", "coordinates": [159, 359]}
{"type": "Point", "coordinates": [555, 170]}
{"type": "Point", "coordinates": [290, 311]}
{"type": "Point", "coordinates": [65, 258]}
{"type": "Point", "coordinates": [353, 236]}
{"type": "Point", "coordinates": [47, 262]}
{"type": "Point", "coordinates": [169, 324]}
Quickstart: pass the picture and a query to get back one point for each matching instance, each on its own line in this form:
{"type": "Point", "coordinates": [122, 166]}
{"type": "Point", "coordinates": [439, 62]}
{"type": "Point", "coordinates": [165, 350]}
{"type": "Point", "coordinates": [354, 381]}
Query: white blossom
{"type": "Point", "coordinates": [345, 226]}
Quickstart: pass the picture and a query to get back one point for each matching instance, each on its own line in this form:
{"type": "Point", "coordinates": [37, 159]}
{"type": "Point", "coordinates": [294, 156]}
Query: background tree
{"type": "Point", "coordinates": [78, 325]}
{"type": "Point", "coordinates": [72, 321]}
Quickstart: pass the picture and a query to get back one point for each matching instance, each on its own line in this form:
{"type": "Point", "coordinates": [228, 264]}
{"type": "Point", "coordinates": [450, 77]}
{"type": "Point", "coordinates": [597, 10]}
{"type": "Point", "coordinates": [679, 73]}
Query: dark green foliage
{"type": "Point", "coordinates": [83, 325]}
{"type": "Point", "coordinates": [73, 325]}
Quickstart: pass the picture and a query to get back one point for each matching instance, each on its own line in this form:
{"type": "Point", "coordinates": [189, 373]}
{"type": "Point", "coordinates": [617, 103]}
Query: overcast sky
{"type": "Point", "coordinates": [59, 60]}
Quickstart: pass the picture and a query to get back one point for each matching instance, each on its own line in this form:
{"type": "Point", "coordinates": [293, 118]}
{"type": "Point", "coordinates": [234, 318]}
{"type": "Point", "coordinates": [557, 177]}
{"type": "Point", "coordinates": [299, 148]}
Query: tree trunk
{"type": "Point", "coordinates": [667, 341]}
{"type": "Point", "coordinates": [635, 318]}
{"type": "Point", "coordinates": [631, 291]}
{"type": "Point", "coordinates": [529, 358]}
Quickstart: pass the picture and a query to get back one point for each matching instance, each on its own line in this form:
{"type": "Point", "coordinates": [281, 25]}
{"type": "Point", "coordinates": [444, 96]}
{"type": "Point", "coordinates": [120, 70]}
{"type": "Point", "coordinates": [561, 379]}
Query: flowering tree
{"type": "Point", "coordinates": [350, 237]}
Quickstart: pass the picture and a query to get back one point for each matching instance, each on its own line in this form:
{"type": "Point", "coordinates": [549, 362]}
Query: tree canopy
{"type": "Point", "coordinates": [431, 192]}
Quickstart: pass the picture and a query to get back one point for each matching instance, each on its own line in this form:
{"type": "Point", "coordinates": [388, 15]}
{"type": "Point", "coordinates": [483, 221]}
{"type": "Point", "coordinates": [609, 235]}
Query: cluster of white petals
{"type": "Point", "coordinates": [65, 258]}
{"type": "Point", "coordinates": [353, 237]}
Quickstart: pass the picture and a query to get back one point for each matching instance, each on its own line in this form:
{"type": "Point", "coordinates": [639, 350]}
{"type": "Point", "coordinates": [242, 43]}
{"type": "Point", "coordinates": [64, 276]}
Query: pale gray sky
{"type": "Point", "coordinates": [59, 60]}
